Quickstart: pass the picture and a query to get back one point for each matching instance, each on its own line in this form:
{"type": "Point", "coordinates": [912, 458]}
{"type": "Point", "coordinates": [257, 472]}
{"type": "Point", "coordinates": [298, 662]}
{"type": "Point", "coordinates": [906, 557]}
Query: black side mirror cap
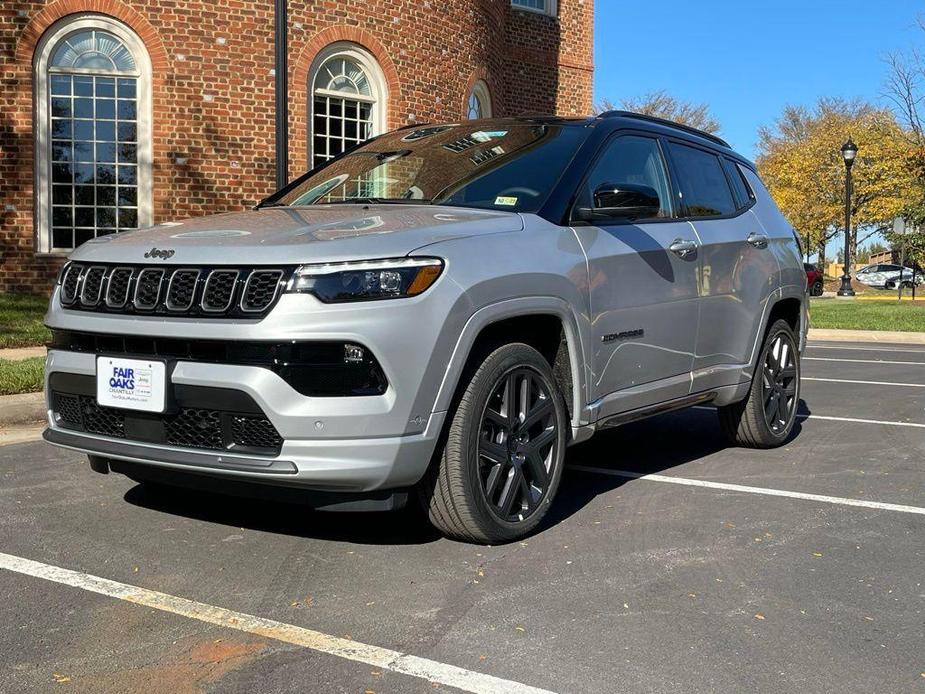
{"type": "Point", "coordinates": [620, 201]}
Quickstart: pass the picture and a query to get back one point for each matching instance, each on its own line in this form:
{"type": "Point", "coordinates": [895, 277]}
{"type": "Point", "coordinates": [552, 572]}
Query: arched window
{"type": "Point", "coordinates": [479, 101]}
{"type": "Point", "coordinates": [93, 132]}
{"type": "Point", "coordinates": [349, 96]}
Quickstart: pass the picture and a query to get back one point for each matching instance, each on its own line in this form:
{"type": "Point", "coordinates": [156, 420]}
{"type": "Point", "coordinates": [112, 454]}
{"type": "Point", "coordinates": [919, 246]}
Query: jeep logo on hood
{"type": "Point", "coordinates": [162, 254]}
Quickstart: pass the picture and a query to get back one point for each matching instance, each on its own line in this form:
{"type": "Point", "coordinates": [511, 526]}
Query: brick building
{"type": "Point", "coordinates": [116, 114]}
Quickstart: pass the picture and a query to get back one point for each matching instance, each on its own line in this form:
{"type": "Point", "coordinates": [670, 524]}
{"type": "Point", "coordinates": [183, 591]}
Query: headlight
{"type": "Point", "coordinates": [368, 280]}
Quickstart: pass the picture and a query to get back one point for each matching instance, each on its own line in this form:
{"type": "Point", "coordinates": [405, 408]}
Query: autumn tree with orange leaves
{"type": "Point", "coordinates": [800, 160]}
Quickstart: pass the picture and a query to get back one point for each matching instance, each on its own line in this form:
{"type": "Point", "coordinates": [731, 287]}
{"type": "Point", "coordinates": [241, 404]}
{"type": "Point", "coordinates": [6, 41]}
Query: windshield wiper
{"type": "Point", "coordinates": [263, 205]}
{"type": "Point", "coordinates": [376, 201]}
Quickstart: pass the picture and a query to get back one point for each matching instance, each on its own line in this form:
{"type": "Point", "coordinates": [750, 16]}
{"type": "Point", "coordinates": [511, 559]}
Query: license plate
{"type": "Point", "coordinates": [131, 384]}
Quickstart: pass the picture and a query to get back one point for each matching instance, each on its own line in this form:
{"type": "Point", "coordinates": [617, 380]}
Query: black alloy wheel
{"type": "Point", "coordinates": [778, 383]}
{"type": "Point", "coordinates": [517, 445]}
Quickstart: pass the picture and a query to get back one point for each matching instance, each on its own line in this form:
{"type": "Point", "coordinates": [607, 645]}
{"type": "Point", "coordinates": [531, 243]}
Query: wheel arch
{"type": "Point", "coordinates": [526, 320]}
{"type": "Point", "coordinates": [788, 303]}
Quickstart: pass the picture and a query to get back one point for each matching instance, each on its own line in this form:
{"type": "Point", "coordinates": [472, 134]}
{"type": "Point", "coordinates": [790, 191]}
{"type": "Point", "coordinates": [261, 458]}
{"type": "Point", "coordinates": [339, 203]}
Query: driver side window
{"type": "Point", "coordinates": [630, 160]}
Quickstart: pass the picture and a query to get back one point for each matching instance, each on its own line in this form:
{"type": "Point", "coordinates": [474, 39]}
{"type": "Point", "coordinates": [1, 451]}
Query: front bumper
{"type": "Point", "coordinates": [316, 453]}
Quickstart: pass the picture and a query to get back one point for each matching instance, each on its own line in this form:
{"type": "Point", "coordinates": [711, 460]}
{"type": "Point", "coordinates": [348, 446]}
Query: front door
{"type": "Point", "coordinates": [643, 284]}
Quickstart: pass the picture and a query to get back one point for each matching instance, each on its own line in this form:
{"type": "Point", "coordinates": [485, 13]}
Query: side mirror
{"type": "Point", "coordinates": [621, 201]}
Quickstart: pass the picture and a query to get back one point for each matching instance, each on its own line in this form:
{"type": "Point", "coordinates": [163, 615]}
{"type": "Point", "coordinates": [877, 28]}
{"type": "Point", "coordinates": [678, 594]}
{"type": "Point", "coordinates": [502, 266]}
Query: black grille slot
{"type": "Point", "coordinates": [255, 432]}
{"type": "Point", "coordinates": [219, 290]}
{"type": "Point", "coordinates": [182, 290]}
{"type": "Point", "coordinates": [102, 420]}
{"type": "Point", "coordinates": [148, 288]}
{"type": "Point", "coordinates": [71, 284]}
{"type": "Point", "coordinates": [117, 289]}
{"type": "Point", "coordinates": [92, 286]}
{"type": "Point", "coordinates": [195, 428]}
{"type": "Point", "coordinates": [260, 290]}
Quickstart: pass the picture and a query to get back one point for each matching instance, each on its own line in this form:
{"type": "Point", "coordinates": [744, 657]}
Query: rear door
{"type": "Point", "coordinates": [643, 294]}
{"type": "Point", "coordinates": [738, 269]}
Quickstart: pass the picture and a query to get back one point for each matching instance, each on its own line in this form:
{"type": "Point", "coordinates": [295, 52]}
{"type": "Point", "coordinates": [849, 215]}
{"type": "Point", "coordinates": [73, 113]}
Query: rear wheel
{"type": "Point", "coordinates": [499, 468]}
{"type": "Point", "coordinates": [766, 417]}
{"type": "Point", "coordinates": [817, 288]}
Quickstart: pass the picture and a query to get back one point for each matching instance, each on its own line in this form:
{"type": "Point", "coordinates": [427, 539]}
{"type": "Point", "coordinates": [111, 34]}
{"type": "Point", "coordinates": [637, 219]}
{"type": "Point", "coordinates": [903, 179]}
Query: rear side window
{"type": "Point", "coordinates": [704, 188]}
{"type": "Point", "coordinates": [743, 194]}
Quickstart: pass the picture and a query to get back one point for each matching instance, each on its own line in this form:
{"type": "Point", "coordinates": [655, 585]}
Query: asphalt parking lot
{"type": "Point", "coordinates": [669, 563]}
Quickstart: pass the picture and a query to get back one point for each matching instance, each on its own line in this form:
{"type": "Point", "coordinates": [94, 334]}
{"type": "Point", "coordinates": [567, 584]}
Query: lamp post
{"type": "Point", "coordinates": [849, 151]}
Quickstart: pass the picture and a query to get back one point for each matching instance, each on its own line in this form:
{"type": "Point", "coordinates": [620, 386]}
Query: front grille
{"type": "Point", "coordinates": [67, 408]}
{"type": "Point", "coordinates": [219, 291]}
{"type": "Point", "coordinates": [92, 286]}
{"type": "Point", "coordinates": [260, 290]}
{"type": "Point", "coordinates": [101, 420]}
{"type": "Point", "coordinates": [70, 284]}
{"type": "Point", "coordinates": [254, 431]}
{"type": "Point", "coordinates": [148, 288]}
{"type": "Point", "coordinates": [182, 290]}
{"type": "Point", "coordinates": [195, 428]}
{"type": "Point", "coordinates": [117, 288]}
{"type": "Point", "coordinates": [190, 427]}
{"type": "Point", "coordinates": [243, 292]}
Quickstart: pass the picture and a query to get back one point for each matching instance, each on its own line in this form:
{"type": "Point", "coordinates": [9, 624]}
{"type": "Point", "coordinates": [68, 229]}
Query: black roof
{"type": "Point", "coordinates": [667, 123]}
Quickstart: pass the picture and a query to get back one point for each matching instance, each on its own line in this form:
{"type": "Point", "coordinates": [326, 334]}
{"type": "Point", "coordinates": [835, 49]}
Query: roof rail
{"type": "Point", "coordinates": [664, 121]}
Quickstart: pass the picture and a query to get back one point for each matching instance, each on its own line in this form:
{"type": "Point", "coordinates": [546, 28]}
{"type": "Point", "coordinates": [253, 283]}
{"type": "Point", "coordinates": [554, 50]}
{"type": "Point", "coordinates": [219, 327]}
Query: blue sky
{"type": "Point", "coordinates": [748, 59]}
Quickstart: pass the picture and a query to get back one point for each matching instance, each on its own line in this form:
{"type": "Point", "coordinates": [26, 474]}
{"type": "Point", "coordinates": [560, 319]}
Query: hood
{"type": "Point", "coordinates": [286, 235]}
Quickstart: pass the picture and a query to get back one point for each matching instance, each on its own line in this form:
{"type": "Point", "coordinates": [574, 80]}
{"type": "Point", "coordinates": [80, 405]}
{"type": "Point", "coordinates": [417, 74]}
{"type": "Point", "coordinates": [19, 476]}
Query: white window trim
{"type": "Point", "coordinates": [483, 93]}
{"type": "Point", "coordinates": [552, 9]}
{"type": "Point", "coordinates": [377, 82]}
{"type": "Point", "coordinates": [42, 128]}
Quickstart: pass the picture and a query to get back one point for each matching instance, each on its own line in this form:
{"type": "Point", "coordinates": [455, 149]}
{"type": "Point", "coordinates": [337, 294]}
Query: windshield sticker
{"type": "Point", "coordinates": [506, 200]}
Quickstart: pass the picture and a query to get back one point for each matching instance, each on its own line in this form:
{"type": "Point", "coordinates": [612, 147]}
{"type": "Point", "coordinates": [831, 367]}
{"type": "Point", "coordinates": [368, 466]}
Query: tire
{"type": "Point", "coordinates": [493, 478]}
{"type": "Point", "coordinates": [759, 421]}
{"type": "Point", "coordinates": [817, 288]}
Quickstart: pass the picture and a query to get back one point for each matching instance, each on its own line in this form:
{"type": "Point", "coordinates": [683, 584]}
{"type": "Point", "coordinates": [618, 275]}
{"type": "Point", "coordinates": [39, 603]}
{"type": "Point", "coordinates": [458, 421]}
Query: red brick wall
{"type": "Point", "coordinates": [430, 52]}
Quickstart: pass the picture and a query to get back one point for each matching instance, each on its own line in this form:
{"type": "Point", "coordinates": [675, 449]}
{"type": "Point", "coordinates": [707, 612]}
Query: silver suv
{"type": "Point", "coordinates": [437, 313]}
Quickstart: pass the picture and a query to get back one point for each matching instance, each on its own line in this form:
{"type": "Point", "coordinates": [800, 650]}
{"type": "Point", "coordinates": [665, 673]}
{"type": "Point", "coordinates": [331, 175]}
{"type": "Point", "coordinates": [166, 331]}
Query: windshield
{"type": "Point", "coordinates": [500, 166]}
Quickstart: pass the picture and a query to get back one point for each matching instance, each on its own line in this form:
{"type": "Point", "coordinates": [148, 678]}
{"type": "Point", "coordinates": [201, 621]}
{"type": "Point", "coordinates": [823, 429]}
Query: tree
{"type": "Point", "coordinates": [904, 88]}
{"type": "Point", "coordinates": [800, 160]}
{"type": "Point", "coordinates": [663, 105]}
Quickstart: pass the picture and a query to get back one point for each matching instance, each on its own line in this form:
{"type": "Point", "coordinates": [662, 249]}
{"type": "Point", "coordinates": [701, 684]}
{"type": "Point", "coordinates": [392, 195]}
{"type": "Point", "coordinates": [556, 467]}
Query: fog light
{"type": "Point", "coordinates": [354, 354]}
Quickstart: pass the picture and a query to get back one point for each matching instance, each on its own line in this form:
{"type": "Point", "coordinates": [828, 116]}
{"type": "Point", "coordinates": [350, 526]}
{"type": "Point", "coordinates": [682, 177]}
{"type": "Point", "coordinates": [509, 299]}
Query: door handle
{"type": "Point", "coordinates": [758, 240]}
{"type": "Point", "coordinates": [682, 247]}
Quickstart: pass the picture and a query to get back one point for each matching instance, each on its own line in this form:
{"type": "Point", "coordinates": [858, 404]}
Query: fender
{"type": "Point", "coordinates": [784, 292]}
{"type": "Point", "coordinates": [512, 308]}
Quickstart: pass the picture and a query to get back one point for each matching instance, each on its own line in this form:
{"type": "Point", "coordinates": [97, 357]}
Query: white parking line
{"type": "Point", "coordinates": [430, 670]}
{"type": "Point", "coordinates": [855, 420]}
{"type": "Point", "coordinates": [867, 349]}
{"type": "Point", "coordinates": [864, 361]}
{"type": "Point", "coordinates": [828, 418]}
{"type": "Point", "coordinates": [863, 383]}
{"type": "Point", "coordinates": [900, 508]}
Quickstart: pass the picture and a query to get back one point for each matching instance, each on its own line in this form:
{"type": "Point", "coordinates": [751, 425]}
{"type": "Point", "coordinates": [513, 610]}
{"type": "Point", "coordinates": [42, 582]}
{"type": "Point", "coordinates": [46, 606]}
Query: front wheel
{"type": "Point", "coordinates": [500, 465]}
{"type": "Point", "coordinates": [766, 417]}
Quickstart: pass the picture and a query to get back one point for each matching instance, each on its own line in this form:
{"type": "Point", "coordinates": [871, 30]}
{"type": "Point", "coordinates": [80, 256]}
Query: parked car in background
{"type": "Point", "coordinates": [887, 276]}
{"type": "Point", "coordinates": [813, 279]}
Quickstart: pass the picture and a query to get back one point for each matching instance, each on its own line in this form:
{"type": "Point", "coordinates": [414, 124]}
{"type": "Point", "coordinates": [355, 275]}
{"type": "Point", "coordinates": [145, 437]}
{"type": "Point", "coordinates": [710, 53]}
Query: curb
{"type": "Point", "coordinates": [21, 353]}
{"type": "Point", "coordinates": [889, 336]}
{"type": "Point", "coordinates": [27, 408]}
